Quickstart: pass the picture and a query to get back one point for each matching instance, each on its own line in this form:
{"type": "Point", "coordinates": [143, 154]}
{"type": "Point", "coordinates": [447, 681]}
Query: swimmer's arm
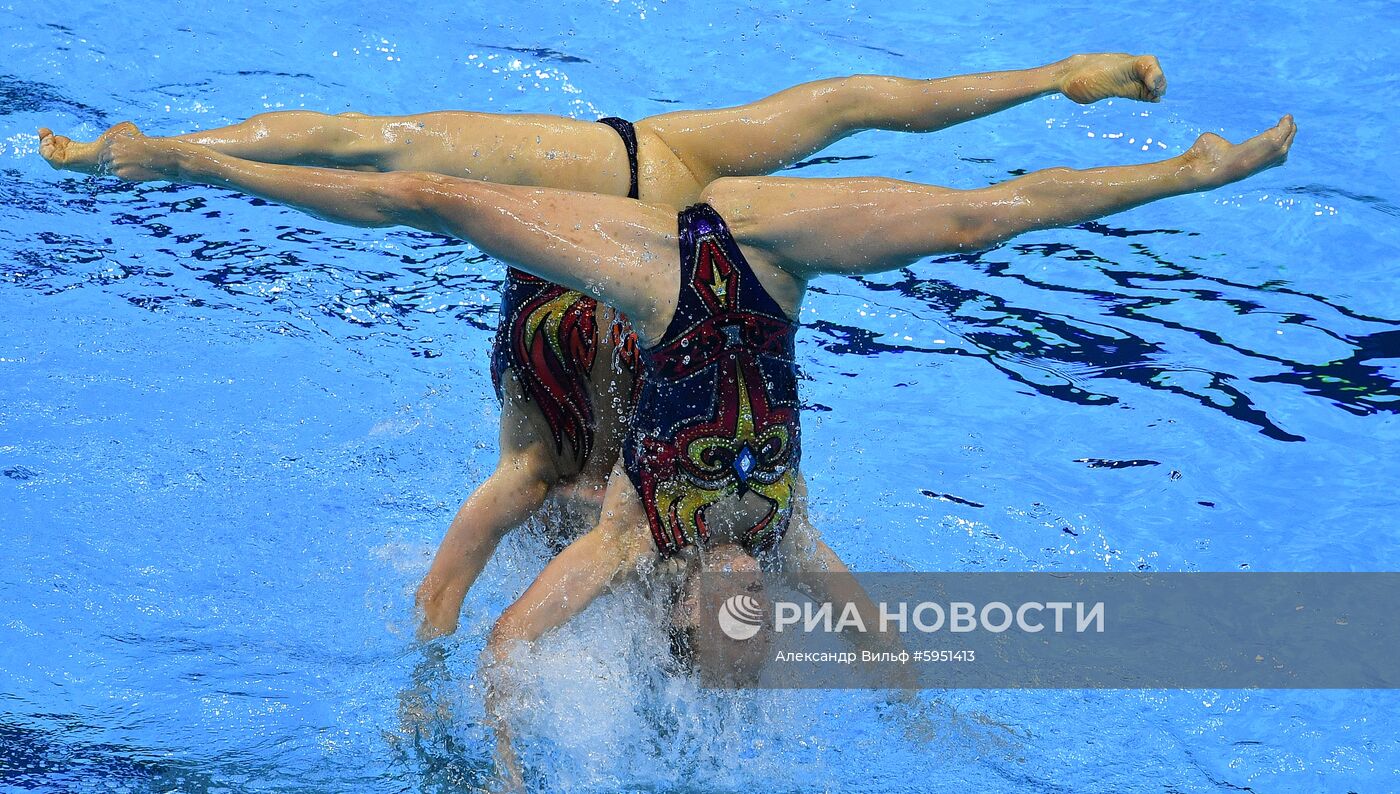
{"type": "Point", "coordinates": [586, 569]}
{"type": "Point", "coordinates": [589, 567]}
{"type": "Point", "coordinates": [514, 491]}
{"type": "Point", "coordinates": [806, 553]}
{"type": "Point", "coordinates": [829, 580]}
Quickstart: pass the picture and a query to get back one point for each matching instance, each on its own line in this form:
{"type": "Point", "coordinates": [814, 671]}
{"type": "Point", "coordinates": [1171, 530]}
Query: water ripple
{"type": "Point", "coordinates": [1057, 354]}
{"type": "Point", "coordinates": [28, 96]}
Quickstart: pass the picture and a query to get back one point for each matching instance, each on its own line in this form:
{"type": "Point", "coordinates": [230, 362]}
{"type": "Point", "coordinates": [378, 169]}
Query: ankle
{"type": "Point", "coordinates": [1059, 72]}
{"type": "Point", "coordinates": [1193, 169]}
{"type": "Point", "coordinates": [194, 162]}
{"type": "Point", "coordinates": [181, 161]}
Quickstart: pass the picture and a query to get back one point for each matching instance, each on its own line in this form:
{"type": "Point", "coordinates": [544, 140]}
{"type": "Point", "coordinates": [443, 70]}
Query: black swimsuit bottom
{"type": "Point", "coordinates": [548, 336]}
{"type": "Point", "coordinates": [717, 415]}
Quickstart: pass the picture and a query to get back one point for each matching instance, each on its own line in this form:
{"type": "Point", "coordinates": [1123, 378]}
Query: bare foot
{"type": "Point", "coordinates": [1215, 161]}
{"type": "Point", "coordinates": [1089, 78]}
{"type": "Point", "coordinates": [66, 154]}
{"type": "Point", "coordinates": [129, 155]}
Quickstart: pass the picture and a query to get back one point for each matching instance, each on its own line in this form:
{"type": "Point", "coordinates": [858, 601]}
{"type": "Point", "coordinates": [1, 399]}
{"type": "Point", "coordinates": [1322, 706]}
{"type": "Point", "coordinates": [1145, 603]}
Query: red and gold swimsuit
{"type": "Point", "coordinates": [717, 415]}
{"type": "Point", "coordinates": [549, 337]}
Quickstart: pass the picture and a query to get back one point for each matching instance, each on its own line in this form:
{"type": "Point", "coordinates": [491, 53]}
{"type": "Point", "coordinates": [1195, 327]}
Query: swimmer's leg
{"type": "Point", "coordinates": [521, 148]}
{"type": "Point", "coordinates": [776, 131]}
{"type": "Point", "coordinates": [528, 468]}
{"type": "Point", "coordinates": [291, 137]}
{"type": "Point", "coordinates": [812, 226]}
{"type": "Point", "coordinates": [620, 251]}
{"type": "Point", "coordinates": [303, 137]}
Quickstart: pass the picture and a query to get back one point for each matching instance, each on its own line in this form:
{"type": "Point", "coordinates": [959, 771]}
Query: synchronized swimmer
{"type": "Point", "coordinates": [565, 368]}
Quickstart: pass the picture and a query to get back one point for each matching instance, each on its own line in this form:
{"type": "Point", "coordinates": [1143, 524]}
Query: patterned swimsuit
{"type": "Point", "coordinates": [548, 336]}
{"type": "Point", "coordinates": [717, 415]}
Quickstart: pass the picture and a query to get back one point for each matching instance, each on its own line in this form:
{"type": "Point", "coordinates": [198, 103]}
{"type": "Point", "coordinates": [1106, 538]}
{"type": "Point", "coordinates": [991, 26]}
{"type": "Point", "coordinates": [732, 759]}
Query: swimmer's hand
{"type": "Point", "coordinates": [1089, 78]}
{"type": "Point", "coordinates": [920, 720]}
{"type": "Point", "coordinates": [497, 673]}
{"type": "Point", "coordinates": [508, 775]}
{"type": "Point", "coordinates": [425, 705]}
{"type": "Point", "coordinates": [928, 719]}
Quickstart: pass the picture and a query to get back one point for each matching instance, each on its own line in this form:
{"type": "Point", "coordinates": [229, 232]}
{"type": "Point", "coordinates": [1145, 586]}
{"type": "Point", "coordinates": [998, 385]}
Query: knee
{"type": "Point", "coordinates": [852, 96]}
{"type": "Point", "coordinates": [857, 86]}
{"type": "Point", "coordinates": [407, 194]}
{"type": "Point", "coordinates": [737, 199]}
{"type": "Point", "coordinates": [349, 139]}
{"type": "Point", "coordinates": [974, 234]}
{"type": "Point", "coordinates": [719, 189]}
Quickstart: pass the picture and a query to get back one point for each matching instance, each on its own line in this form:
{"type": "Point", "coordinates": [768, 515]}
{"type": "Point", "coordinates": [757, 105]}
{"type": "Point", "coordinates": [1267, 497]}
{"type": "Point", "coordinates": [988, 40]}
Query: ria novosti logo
{"type": "Point", "coordinates": [740, 617]}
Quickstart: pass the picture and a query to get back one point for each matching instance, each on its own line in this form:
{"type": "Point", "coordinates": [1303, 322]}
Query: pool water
{"type": "Point", "coordinates": [231, 435]}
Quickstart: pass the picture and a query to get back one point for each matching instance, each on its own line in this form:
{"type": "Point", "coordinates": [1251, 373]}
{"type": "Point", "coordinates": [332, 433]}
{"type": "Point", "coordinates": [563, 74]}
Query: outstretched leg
{"type": "Point", "coordinates": [620, 251]}
{"type": "Point", "coordinates": [517, 149]}
{"type": "Point", "coordinates": [624, 252]}
{"type": "Point", "coordinates": [806, 227]}
{"type": "Point", "coordinates": [764, 136]}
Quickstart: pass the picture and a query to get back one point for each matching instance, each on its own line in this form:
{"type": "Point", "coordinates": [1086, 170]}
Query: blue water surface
{"type": "Point", "coordinates": [232, 435]}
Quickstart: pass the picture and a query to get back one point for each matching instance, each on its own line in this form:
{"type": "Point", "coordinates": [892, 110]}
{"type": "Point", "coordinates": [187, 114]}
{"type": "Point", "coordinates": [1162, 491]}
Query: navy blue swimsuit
{"type": "Point", "coordinates": [548, 336]}
{"type": "Point", "coordinates": [717, 416]}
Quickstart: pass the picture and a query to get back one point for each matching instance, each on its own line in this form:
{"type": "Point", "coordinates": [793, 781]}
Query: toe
{"type": "Point", "coordinates": [1150, 78]}
{"type": "Point", "coordinates": [52, 147]}
{"type": "Point", "coordinates": [1292, 130]}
